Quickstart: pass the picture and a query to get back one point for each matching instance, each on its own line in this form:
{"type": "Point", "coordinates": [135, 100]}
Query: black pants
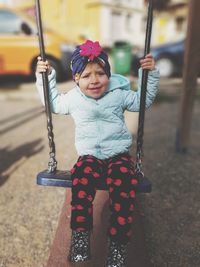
{"type": "Point", "coordinates": [119, 174]}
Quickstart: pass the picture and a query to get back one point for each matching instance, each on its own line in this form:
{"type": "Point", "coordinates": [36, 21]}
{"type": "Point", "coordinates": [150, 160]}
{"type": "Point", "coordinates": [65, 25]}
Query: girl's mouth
{"type": "Point", "coordinates": [95, 88]}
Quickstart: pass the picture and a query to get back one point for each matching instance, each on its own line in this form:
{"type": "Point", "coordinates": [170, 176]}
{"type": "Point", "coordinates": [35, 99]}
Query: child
{"type": "Point", "coordinates": [97, 104]}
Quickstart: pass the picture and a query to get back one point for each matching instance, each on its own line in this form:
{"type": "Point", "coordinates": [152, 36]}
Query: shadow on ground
{"type": "Point", "coordinates": [11, 159]}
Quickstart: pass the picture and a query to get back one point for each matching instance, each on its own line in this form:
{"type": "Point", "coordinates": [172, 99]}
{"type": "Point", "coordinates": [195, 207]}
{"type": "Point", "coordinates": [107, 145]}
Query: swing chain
{"type": "Point", "coordinates": [138, 166]}
{"type": "Point", "coordinates": [52, 164]}
{"type": "Point", "coordinates": [140, 134]}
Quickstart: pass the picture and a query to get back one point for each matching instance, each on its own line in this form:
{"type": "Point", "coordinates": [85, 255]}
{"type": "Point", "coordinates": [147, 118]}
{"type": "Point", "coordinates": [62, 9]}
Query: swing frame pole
{"type": "Point", "coordinates": [52, 164]}
{"type": "Point", "coordinates": [140, 133]}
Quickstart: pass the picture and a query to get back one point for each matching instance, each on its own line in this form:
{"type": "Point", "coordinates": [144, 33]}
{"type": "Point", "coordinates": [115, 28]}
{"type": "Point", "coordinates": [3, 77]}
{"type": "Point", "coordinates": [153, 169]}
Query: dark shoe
{"type": "Point", "coordinates": [117, 254]}
{"type": "Point", "coordinates": [80, 246]}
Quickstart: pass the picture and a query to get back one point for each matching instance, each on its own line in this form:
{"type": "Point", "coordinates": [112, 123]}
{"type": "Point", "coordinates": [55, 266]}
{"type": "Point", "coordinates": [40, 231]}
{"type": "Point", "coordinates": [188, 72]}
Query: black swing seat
{"type": "Point", "coordinates": [63, 179]}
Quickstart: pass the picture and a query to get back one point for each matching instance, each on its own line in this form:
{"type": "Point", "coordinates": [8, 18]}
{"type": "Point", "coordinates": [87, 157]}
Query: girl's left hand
{"type": "Point", "coordinates": [148, 63]}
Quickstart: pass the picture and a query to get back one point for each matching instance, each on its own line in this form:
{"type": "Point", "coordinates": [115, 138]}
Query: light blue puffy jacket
{"type": "Point", "coordinates": [100, 127]}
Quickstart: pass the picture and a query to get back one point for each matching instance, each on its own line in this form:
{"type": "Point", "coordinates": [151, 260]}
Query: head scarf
{"type": "Point", "coordinates": [89, 52]}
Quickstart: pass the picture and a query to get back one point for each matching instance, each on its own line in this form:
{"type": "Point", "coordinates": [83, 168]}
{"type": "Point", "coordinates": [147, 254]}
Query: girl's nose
{"type": "Point", "coordinates": [93, 79]}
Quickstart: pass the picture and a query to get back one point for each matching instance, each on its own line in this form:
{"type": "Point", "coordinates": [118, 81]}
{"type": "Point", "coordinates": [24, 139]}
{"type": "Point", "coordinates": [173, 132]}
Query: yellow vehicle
{"type": "Point", "coordinates": [19, 46]}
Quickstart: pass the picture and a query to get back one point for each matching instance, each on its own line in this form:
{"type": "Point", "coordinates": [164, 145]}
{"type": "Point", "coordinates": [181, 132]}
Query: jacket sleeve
{"type": "Point", "coordinates": [132, 98]}
{"type": "Point", "coordinates": [59, 103]}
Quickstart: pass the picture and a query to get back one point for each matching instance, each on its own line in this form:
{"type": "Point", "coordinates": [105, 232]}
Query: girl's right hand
{"type": "Point", "coordinates": [43, 66]}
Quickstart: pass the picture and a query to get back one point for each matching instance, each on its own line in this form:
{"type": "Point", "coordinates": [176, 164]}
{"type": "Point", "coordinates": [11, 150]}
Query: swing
{"type": "Point", "coordinates": [54, 177]}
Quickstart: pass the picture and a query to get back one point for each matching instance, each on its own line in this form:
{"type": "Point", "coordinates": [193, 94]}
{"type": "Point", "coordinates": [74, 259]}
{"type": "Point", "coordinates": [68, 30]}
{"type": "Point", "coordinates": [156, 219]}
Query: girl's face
{"type": "Point", "coordinates": [93, 81]}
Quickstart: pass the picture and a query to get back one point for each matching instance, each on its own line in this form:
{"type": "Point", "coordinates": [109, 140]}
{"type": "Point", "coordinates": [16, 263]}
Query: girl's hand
{"type": "Point", "coordinates": [148, 63]}
{"type": "Point", "coordinates": [43, 66]}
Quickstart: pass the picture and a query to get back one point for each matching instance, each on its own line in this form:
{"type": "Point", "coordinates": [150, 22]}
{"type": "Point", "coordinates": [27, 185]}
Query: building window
{"type": "Point", "coordinates": [128, 22]}
{"type": "Point", "coordinates": [180, 23]}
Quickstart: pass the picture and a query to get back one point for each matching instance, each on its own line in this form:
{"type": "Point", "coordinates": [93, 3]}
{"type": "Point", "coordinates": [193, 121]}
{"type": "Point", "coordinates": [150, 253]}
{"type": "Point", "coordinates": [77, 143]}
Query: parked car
{"type": "Point", "coordinates": [19, 46]}
{"type": "Point", "coordinates": [169, 59]}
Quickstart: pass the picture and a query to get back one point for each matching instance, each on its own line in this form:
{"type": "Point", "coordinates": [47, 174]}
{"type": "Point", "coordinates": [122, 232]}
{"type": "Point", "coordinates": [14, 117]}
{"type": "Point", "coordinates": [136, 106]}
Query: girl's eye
{"type": "Point", "coordinates": [101, 73]}
{"type": "Point", "coordinates": [85, 76]}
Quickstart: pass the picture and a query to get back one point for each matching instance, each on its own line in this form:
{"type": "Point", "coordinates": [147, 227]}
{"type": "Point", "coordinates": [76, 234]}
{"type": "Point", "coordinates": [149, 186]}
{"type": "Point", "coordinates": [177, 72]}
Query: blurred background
{"type": "Point", "coordinates": [29, 213]}
{"type": "Point", "coordinates": [118, 25]}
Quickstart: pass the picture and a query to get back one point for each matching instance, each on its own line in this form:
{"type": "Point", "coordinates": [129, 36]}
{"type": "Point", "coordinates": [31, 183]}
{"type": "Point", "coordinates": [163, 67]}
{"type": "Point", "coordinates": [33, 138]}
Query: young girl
{"type": "Point", "coordinates": [97, 104]}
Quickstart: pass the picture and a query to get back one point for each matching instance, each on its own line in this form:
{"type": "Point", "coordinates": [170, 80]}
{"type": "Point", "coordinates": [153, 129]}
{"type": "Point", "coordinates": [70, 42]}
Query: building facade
{"type": "Point", "coordinates": [109, 21]}
{"type": "Point", "coordinates": [171, 24]}
{"type": "Point", "coordinates": [105, 20]}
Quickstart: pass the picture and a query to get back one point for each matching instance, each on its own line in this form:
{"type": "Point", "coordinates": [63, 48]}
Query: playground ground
{"type": "Point", "coordinates": [170, 215]}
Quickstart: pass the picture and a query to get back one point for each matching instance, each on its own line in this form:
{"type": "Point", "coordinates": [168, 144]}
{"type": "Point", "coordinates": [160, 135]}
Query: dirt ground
{"type": "Point", "coordinates": [29, 213]}
{"type": "Point", "coordinates": [172, 210]}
